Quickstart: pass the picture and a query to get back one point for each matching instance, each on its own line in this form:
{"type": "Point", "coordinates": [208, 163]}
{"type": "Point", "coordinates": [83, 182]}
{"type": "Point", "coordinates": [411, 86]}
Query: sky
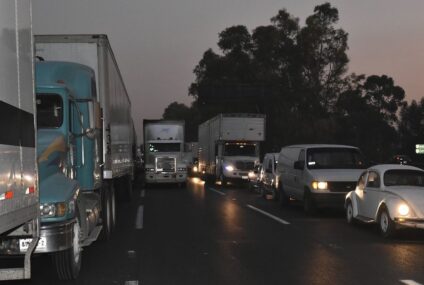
{"type": "Point", "coordinates": [157, 43]}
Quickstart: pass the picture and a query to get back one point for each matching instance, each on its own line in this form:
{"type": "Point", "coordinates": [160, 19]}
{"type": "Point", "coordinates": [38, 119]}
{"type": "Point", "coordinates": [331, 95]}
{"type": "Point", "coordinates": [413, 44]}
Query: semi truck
{"type": "Point", "coordinates": [84, 147]}
{"type": "Point", "coordinates": [229, 146]}
{"type": "Point", "coordinates": [19, 195]}
{"type": "Point", "coordinates": [164, 152]}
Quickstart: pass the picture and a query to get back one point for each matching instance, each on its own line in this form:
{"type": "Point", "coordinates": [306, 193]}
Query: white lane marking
{"type": "Point", "coordinates": [410, 282]}
{"type": "Point", "coordinates": [139, 218]}
{"type": "Point", "coordinates": [216, 191]}
{"type": "Point", "coordinates": [133, 282]}
{"type": "Point", "coordinates": [143, 193]}
{"type": "Point", "coordinates": [268, 215]}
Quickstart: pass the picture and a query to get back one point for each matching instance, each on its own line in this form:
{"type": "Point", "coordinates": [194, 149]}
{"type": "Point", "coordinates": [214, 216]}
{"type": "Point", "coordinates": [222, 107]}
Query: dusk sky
{"type": "Point", "coordinates": [157, 43]}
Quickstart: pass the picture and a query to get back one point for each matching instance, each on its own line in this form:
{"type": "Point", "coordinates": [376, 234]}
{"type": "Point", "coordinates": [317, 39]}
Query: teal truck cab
{"type": "Point", "coordinates": [75, 205]}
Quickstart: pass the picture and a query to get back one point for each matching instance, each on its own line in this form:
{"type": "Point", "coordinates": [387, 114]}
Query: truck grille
{"type": "Point", "coordinates": [165, 164]}
{"type": "Point", "coordinates": [245, 165]}
{"type": "Point", "coordinates": [341, 186]}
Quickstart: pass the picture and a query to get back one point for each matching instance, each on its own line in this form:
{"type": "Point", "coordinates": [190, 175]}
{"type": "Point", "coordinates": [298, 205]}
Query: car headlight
{"type": "Point", "coordinates": [229, 168]}
{"type": "Point", "coordinates": [403, 209]}
{"type": "Point", "coordinates": [195, 169]}
{"type": "Point", "coordinates": [319, 185]}
{"type": "Point", "coordinates": [49, 210]}
{"type": "Point", "coordinates": [251, 174]}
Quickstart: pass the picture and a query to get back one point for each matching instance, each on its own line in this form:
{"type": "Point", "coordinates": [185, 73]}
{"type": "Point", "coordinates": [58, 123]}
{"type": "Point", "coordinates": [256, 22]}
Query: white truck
{"type": "Point", "coordinates": [116, 149]}
{"type": "Point", "coordinates": [164, 152]}
{"type": "Point", "coordinates": [229, 146]}
{"type": "Point", "coordinates": [19, 196]}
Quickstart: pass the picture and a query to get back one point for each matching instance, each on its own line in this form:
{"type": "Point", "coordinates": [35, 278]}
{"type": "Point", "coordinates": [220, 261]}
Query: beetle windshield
{"type": "Point", "coordinates": [399, 177]}
{"type": "Point", "coordinates": [333, 158]}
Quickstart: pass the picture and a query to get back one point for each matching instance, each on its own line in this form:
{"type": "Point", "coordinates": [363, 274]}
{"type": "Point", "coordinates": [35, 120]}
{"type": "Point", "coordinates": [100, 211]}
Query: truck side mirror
{"type": "Point", "coordinates": [90, 133]}
{"type": "Point", "coordinates": [300, 165]}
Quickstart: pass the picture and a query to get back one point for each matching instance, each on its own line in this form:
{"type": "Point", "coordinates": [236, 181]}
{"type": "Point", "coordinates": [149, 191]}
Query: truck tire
{"type": "Point", "coordinates": [124, 187]}
{"type": "Point", "coordinates": [106, 213]}
{"type": "Point", "coordinates": [308, 203]}
{"type": "Point", "coordinates": [68, 262]}
{"type": "Point", "coordinates": [223, 180]}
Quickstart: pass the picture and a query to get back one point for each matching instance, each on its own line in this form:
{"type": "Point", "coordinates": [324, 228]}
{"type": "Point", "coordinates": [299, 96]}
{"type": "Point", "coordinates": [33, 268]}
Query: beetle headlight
{"type": "Point", "coordinates": [403, 209]}
{"type": "Point", "coordinates": [319, 185]}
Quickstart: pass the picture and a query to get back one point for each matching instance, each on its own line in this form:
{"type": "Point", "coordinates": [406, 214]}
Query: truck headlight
{"type": "Point", "coordinates": [49, 210]}
{"type": "Point", "coordinates": [319, 185]}
{"type": "Point", "coordinates": [403, 209]}
{"type": "Point", "coordinates": [195, 169]}
{"type": "Point", "coordinates": [229, 168]}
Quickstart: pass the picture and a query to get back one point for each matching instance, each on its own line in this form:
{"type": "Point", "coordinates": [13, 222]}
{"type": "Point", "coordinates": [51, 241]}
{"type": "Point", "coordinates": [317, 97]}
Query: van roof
{"type": "Point", "coordinates": [320, 146]}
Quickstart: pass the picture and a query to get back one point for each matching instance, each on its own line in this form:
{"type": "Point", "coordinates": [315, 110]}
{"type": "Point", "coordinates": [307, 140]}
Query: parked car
{"type": "Point", "coordinates": [320, 175]}
{"type": "Point", "coordinates": [269, 180]}
{"type": "Point", "coordinates": [390, 195]}
{"type": "Point", "coordinates": [255, 178]}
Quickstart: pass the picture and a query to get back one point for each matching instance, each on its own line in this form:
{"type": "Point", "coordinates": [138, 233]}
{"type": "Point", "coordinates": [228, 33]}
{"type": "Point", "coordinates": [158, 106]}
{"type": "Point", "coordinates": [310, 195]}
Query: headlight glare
{"type": "Point", "coordinates": [319, 185]}
{"type": "Point", "coordinates": [229, 168]}
{"type": "Point", "coordinates": [403, 209]}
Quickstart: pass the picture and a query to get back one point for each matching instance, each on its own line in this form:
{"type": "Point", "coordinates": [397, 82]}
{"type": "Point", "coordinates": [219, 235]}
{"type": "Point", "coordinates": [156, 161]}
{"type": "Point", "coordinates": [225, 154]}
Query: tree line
{"type": "Point", "coordinates": [298, 76]}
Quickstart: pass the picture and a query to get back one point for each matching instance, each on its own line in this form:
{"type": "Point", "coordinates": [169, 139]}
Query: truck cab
{"type": "Point", "coordinates": [68, 163]}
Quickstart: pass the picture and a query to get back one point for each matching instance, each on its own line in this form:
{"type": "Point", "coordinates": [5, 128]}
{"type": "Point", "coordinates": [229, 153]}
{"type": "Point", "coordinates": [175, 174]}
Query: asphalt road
{"type": "Point", "coordinates": [213, 235]}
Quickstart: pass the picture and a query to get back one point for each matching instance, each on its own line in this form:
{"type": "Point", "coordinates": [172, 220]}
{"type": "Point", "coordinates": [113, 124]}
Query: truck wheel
{"type": "Point", "coordinates": [223, 179]}
{"type": "Point", "coordinates": [283, 199]}
{"type": "Point", "coordinates": [387, 226]}
{"type": "Point", "coordinates": [68, 262]}
{"type": "Point", "coordinates": [112, 200]}
{"type": "Point", "coordinates": [106, 212]}
{"type": "Point", "coordinates": [308, 203]}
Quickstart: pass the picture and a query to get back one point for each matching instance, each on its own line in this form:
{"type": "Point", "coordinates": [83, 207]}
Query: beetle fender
{"type": "Point", "coordinates": [354, 200]}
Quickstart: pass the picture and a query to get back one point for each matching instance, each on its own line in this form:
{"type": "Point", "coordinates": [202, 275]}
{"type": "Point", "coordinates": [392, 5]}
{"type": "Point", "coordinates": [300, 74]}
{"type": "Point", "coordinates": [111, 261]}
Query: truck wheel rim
{"type": "Point", "coordinates": [76, 242]}
{"type": "Point", "coordinates": [384, 222]}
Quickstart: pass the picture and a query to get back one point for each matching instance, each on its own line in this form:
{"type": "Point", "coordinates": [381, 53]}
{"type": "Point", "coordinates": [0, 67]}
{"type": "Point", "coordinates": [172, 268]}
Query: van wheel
{"type": "Point", "coordinates": [387, 226]}
{"type": "Point", "coordinates": [283, 199]}
{"type": "Point", "coordinates": [309, 203]}
{"type": "Point", "coordinates": [68, 262]}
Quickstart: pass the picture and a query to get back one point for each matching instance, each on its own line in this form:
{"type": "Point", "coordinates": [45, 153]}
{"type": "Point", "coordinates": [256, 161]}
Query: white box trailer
{"type": "Point", "coordinates": [19, 198]}
{"type": "Point", "coordinates": [229, 145]}
{"type": "Point", "coordinates": [118, 132]}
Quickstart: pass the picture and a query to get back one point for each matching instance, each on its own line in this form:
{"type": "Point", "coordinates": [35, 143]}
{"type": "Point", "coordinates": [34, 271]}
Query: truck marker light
{"type": "Point", "coordinates": [30, 190]}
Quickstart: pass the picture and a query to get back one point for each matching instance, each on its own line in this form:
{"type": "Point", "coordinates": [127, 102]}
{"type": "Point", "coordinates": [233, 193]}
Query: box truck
{"type": "Point", "coordinates": [19, 196]}
{"type": "Point", "coordinates": [164, 152]}
{"type": "Point", "coordinates": [229, 146]}
{"type": "Point", "coordinates": [84, 147]}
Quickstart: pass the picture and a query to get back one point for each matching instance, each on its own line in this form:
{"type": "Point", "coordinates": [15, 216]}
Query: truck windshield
{"type": "Point", "coordinates": [164, 147]}
{"type": "Point", "coordinates": [49, 111]}
{"type": "Point", "coordinates": [239, 149]}
{"type": "Point", "coordinates": [398, 177]}
{"type": "Point", "coordinates": [332, 158]}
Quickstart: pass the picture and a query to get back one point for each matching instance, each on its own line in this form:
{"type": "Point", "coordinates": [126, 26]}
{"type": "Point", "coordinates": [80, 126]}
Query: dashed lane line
{"type": "Point", "coordinates": [268, 215]}
{"type": "Point", "coordinates": [139, 218]}
{"type": "Point", "coordinates": [217, 191]}
{"type": "Point", "coordinates": [409, 282]}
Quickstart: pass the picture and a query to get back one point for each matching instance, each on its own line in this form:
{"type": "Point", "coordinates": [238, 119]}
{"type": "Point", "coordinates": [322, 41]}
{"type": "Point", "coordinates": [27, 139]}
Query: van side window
{"type": "Point", "coordinates": [361, 182]}
{"type": "Point", "coordinates": [373, 180]}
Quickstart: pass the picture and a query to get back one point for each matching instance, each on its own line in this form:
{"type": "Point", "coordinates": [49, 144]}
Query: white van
{"type": "Point", "coordinates": [320, 175]}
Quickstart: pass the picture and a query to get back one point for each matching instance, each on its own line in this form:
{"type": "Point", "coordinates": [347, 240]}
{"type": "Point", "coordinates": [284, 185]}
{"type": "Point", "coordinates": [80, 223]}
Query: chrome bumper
{"type": "Point", "coordinates": [166, 177]}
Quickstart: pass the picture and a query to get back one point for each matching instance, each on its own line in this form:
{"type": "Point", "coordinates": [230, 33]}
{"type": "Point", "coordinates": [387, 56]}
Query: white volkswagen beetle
{"type": "Point", "coordinates": [390, 195]}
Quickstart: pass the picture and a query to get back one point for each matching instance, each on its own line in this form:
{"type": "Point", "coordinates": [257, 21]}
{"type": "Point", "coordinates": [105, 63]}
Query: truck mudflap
{"type": "Point", "coordinates": [53, 237]}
